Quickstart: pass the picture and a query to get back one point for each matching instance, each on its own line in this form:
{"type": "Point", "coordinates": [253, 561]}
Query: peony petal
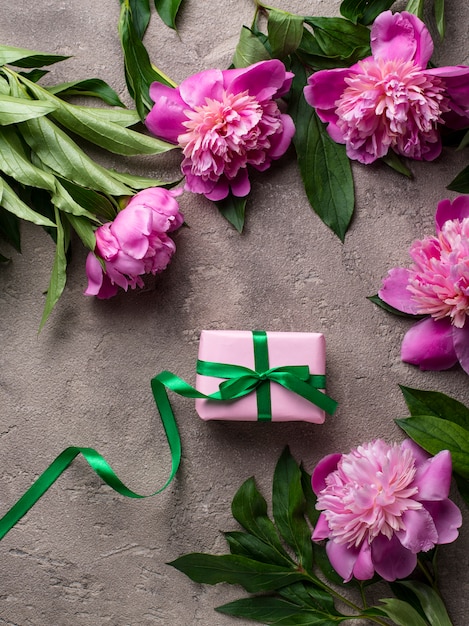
{"type": "Point", "coordinates": [456, 81]}
{"type": "Point", "coordinates": [321, 530]}
{"type": "Point", "coordinates": [197, 88]}
{"type": "Point", "coordinates": [324, 89]}
{"type": "Point", "coordinates": [461, 344]}
{"type": "Point", "coordinates": [447, 210]}
{"type": "Point", "coordinates": [325, 466]}
{"type": "Point", "coordinates": [391, 559]}
{"type": "Point", "coordinates": [447, 518]}
{"type": "Point", "coordinates": [262, 80]}
{"type": "Point", "coordinates": [420, 534]}
{"type": "Point", "coordinates": [94, 273]}
{"type": "Point", "coordinates": [240, 186]}
{"type": "Point", "coordinates": [131, 228]}
{"type": "Point", "coordinates": [401, 36]}
{"type": "Point", "coordinates": [429, 344]}
{"type": "Point", "coordinates": [280, 142]}
{"type": "Point", "coordinates": [395, 293]}
{"type": "Point", "coordinates": [342, 559]}
{"type": "Point", "coordinates": [420, 455]}
{"type": "Point", "coordinates": [167, 115]}
{"type": "Point", "coordinates": [364, 568]}
{"type": "Point", "coordinates": [433, 478]}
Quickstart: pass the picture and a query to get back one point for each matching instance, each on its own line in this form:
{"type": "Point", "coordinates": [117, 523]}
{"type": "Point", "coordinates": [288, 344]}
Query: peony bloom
{"type": "Point", "coordinates": [135, 243]}
{"type": "Point", "coordinates": [224, 121]}
{"type": "Point", "coordinates": [437, 286]}
{"type": "Point", "coordinates": [390, 101]}
{"type": "Point", "coordinates": [381, 505]}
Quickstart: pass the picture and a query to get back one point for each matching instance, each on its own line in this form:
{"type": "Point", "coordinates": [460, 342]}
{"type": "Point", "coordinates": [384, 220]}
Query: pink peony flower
{"type": "Point", "coordinates": [224, 121]}
{"type": "Point", "coordinates": [390, 101]}
{"type": "Point", "coordinates": [436, 285]}
{"type": "Point", "coordinates": [381, 505]}
{"type": "Point", "coordinates": [135, 243]}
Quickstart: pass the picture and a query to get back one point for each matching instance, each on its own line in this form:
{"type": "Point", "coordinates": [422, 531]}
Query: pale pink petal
{"type": "Point", "coordinates": [401, 36]}
{"type": "Point", "coordinates": [429, 344]}
{"type": "Point", "coordinates": [325, 466]}
{"type": "Point", "coordinates": [262, 80]}
{"type": "Point", "coordinates": [461, 344]}
{"type": "Point", "coordinates": [106, 242]}
{"type": "Point", "coordinates": [395, 293]}
{"type": "Point", "coordinates": [391, 559]}
{"type": "Point", "coordinates": [132, 228]}
{"type": "Point", "coordinates": [433, 478]}
{"type": "Point", "coordinates": [447, 518]}
{"type": "Point", "coordinates": [420, 533]}
{"type": "Point", "coordinates": [197, 88]}
{"type": "Point", "coordinates": [167, 115]}
{"type": "Point", "coordinates": [447, 210]}
{"type": "Point", "coordinates": [420, 455]}
{"type": "Point", "coordinates": [342, 559]}
{"type": "Point", "coordinates": [321, 530]}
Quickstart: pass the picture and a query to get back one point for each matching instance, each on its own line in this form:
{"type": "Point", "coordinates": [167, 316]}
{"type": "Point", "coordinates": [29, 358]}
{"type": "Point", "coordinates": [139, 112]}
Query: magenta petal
{"type": "Point", "coordinates": [429, 344]}
{"type": "Point", "coordinates": [395, 293]}
{"type": "Point", "coordinates": [461, 344]}
{"type": "Point", "coordinates": [325, 88]}
{"type": "Point", "coordinates": [433, 478]}
{"type": "Point", "coordinates": [401, 36]}
{"type": "Point", "coordinates": [447, 210]}
{"type": "Point", "coordinates": [132, 227]}
{"type": "Point", "coordinates": [420, 534]}
{"type": "Point", "coordinates": [280, 142]}
{"type": "Point", "coordinates": [325, 466]}
{"type": "Point", "coordinates": [342, 559]}
{"type": "Point", "coordinates": [197, 88]}
{"type": "Point", "coordinates": [240, 186]}
{"type": "Point", "coordinates": [447, 518]}
{"type": "Point", "coordinates": [167, 115]}
{"type": "Point", "coordinates": [364, 568]}
{"type": "Point", "coordinates": [94, 273]}
{"type": "Point", "coordinates": [391, 559]}
{"type": "Point", "coordinates": [263, 80]}
{"type": "Point", "coordinates": [321, 530]}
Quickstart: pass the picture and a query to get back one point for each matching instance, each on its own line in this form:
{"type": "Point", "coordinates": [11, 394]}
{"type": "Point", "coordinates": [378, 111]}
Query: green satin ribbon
{"type": "Point", "coordinates": [240, 381]}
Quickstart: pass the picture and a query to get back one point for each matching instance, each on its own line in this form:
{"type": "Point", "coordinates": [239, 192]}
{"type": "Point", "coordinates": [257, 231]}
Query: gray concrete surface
{"type": "Point", "coordinates": [85, 556]}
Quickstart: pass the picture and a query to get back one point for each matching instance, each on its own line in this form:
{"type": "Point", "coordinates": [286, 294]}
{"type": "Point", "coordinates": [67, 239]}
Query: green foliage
{"type": "Point", "coordinates": [390, 309]}
{"type": "Point", "coordinates": [233, 209]}
{"type": "Point", "coordinates": [461, 182]}
{"type": "Point", "coordinates": [168, 10]}
{"type": "Point", "coordinates": [364, 11]}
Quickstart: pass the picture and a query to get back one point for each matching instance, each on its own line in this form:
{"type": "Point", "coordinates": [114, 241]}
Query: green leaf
{"type": "Point", "coordinates": [339, 37]}
{"type": "Point", "coordinates": [84, 229]}
{"type": "Point", "coordinates": [434, 434]}
{"type": "Point", "coordinates": [14, 110]}
{"type": "Point", "coordinates": [21, 57]}
{"type": "Point", "coordinates": [9, 227]}
{"type": "Point", "coordinates": [415, 7]}
{"type": "Point", "coordinates": [62, 155]}
{"type": "Point", "coordinates": [168, 10]}
{"type": "Point", "coordinates": [435, 403]}
{"type": "Point", "coordinates": [309, 496]}
{"type": "Point", "coordinates": [253, 576]}
{"type": "Point", "coordinates": [307, 594]}
{"type": "Point", "coordinates": [439, 7]}
{"type": "Point", "coordinates": [390, 309]}
{"type": "Point", "coordinates": [245, 544]}
{"type": "Point", "coordinates": [94, 87]}
{"type": "Point", "coordinates": [34, 75]}
{"type": "Point", "coordinates": [461, 182]}
{"type": "Point", "coordinates": [249, 509]}
{"type": "Point", "coordinates": [324, 166]}
{"type": "Point", "coordinates": [249, 49]}
{"type": "Point", "coordinates": [65, 202]}
{"type": "Point", "coordinates": [266, 609]}
{"type": "Point", "coordinates": [233, 209]}
{"type": "Point", "coordinates": [141, 14]}
{"type": "Point", "coordinates": [432, 604]}
{"type": "Point", "coordinates": [59, 272]}
{"type": "Point", "coordinates": [401, 613]}
{"type": "Point", "coordinates": [139, 182]}
{"type": "Point", "coordinates": [12, 203]}
{"type": "Point", "coordinates": [16, 163]}
{"type": "Point", "coordinates": [364, 11]}
{"type": "Point", "coordinates": [288, 508]}
{"type": "Point", "coordinates": [285, 31]}
{"type": "Point", "coordinates": [122, 117]}
{"type": "Point", "coordinates": [392, 160]}
{"type": "Point", "coordinates": [94, 202]}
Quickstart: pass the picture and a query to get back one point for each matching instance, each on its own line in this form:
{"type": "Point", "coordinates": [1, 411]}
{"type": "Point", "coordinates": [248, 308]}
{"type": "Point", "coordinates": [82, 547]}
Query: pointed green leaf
{"type": "Point", "coordinates": [84, 229]}
{"type": "Point", "coordinates": [12, 203]}
{"type": "Point", "coordinates": [21, 57]}
{"type": "Point", "coordinates": [14, 110]}
{"type": "Point", "coordinates": [434, 434]}
{"type": "Point", "coordinates": [288, 508]}
{"type": "Point", "coordinates": [253, 576]}
{"type": "Point", "coordinates": [16, 163]}
{"type": "Point", "coordinates": [141, 14]}
{"type": "Point", "coordinates": [249, 49]}
{"type": "Point", "coordinates": [432, 604]}
{"type": "Point", "coordinates": [233, 209]}
{"type": "Point", "coordinates": [390, 309]}
{"type": "Point", "coordinates": [401, 613]}
{"type": "Point", "coordinates": [95, 203]}
{"type": "Point", "coordinates": [285, 31]}
{"type": "Point", "coordinates": [4, 87]}
{"type": "Point", "coordinates": [245, 544]}
{"type": "Point", "coordinates": [62, 155]}
{"type": "Point", "coordinates": [65, 202]}
{"type": "Point", "coordinates": [139, 182]}
{"type": "Point", "coordinates": [461, 182]}
{"type": "Point", "coordinates": [249, 509]}
{"type": "Point", "coordinates": [168, 10]}
{"type": "Point", "coordinates": [58, 274]}
{"type": "Point", "coordinates": [422, 402]}
{"type": "Point", "coordinates": [339, 37]}
{"type": "Point", "coordinates": [392, 160]}
{"type": "Point", "coordinates": [308, 595]}
{"type": "Point", "coordinates": [122, 117]}
{"type": "Point", "coordinates": [415, 7]}
{"type": "Point", "coordinates": [324, 166]}
{"type": "Point", "coordinates": [265, 609]}
{"type": "Point", "coordinates": [364, 11]}
{"type": "Point", "coordinates": [439, 7]}
{"type": "Point", "coordinates": [94, 87]}
{"type": "Point", "coordinates": [309, 496]}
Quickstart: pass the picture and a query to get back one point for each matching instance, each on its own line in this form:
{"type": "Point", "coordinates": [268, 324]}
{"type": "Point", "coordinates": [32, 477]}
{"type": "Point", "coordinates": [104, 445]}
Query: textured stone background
{"type": "Point", "coordinates": [85, 556]}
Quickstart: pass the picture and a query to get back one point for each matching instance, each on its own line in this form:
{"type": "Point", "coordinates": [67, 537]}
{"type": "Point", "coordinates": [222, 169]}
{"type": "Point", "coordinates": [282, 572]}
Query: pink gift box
{"type": "Point", "coordinates": [284, 348]}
